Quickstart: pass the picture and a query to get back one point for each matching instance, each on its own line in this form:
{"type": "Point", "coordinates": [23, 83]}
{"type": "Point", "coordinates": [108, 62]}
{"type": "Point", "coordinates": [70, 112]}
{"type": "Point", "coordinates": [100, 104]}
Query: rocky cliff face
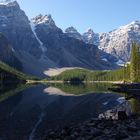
{"type": "Point", "coordinates": [72, 32]}
{"type": "Point", "coordinates": [7, 53]}
{"type": "Point", "coordinates": [90, 37]}
{"type": "Point", "coordinates": [39, 44]}
{"type": "Point", "coordinates": [117, 42]}
{"type": "Point", "coordinates": [70, 51]}
{"type": "Point", "coordinates": [15, 26]}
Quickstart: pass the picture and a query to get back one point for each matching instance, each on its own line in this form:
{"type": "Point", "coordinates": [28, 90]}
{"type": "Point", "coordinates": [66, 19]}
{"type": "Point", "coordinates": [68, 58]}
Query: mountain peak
{"type": "Point", "coordinates": [43, 19]}
{"type": "Point", "coordinates": [90, 37]}
{"type": "Point", "coordinates": [134, 25]}
{"type": "Point", "coordinates": [89, 30]}
{"type": "Point", "coordinates": [72, 32]}
{"type": "Point", "coordinates": [118, 41]}
{"type": "Point", "coordinates": [8, 2]}
{"type": "Point", "coordinates": [135, 22]}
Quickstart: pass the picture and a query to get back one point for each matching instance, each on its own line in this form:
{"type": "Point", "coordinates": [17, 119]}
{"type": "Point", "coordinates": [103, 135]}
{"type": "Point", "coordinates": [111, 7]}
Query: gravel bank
{"type": "Point", "coordinates": [95, 129]}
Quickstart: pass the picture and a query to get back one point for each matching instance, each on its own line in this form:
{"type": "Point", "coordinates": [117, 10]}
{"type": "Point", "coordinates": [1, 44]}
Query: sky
{"type": "Point", "coordinates": [100, 15]}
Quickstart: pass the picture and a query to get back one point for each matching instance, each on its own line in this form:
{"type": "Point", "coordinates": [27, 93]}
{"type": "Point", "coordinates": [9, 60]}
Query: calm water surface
{"type": "Point", "coordinates": [27, 114]}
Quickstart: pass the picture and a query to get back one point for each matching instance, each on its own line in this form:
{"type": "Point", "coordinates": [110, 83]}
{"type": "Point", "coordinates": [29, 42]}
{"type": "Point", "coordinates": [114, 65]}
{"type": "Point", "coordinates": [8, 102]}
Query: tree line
{"type": "Point", "coordinates": [128, 73]}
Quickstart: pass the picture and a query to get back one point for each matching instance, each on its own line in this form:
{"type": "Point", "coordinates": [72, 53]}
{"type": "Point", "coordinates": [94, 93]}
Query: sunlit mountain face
{"type": "Point", "coordinates": [39, 44]}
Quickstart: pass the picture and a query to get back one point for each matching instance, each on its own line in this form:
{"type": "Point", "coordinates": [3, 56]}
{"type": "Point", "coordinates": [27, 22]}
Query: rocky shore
{"type": "Point", "coordinates": [100, 129]}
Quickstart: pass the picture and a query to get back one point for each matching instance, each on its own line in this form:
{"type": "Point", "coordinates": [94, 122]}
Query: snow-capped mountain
{"type": "Point", "coordinates": [46, 19]}
{"type": "Point", "coordinates": [39, 44]}
{"type": "Point", "coordinates": [5, 2]}
{"type": "Point", "coordinates": [118, 42]}
{"type": "Point", "coordinates": [72, 32]}
{"type": "Point", "coordinates": [90, 37]}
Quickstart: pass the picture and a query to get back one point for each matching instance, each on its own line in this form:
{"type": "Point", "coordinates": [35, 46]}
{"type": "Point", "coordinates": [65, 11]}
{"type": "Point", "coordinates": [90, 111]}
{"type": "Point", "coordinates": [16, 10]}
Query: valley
{"type": "Point", "coordinates": [60, 83]}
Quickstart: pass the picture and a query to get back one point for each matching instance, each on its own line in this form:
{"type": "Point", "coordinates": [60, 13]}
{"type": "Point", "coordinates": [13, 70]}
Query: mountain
{"type": "Point", "coordinates": [118, 42]}
{"type": "Point", "coordinates": [90, 37]}
{"type": "Point", "coordinates": [70, 51]}
{"type": "Point", "coordinates": [4, 2]}
{"type": "Point", "coordinates": [7, 53]}
{"type": "Point", "coordinates": [15, 26]}
{"type": "Point", "coordinates": [39, 44]}
{"type": "Point", "coordinates": [72, 32]}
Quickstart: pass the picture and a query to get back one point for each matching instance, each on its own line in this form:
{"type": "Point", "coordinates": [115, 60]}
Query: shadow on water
{"type": "Point", "coordinates": [6, 87]}
{"type": "Point", "coordinates": [33, 111]}
{"type": "Point", "coordinates": [129, 104]}
{"type": "Point", "coordinates": [134, 101]}
{"type": "Point", "coordinates": [8, 90]}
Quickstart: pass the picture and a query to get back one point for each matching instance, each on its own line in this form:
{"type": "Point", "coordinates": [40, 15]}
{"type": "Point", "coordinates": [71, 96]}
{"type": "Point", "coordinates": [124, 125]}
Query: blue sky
{"type": "Point", "coordinates": [100, 15]}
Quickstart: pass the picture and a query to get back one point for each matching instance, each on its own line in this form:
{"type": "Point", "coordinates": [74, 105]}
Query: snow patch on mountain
{"type": "Point", "coordinates": [5, 2]}
{"type": "Point", "coordinates": [46, 20]}
{"type": "Point", "coordinates": [90, 37]}
{"type": "Point", "coordinates": [134, 25]}
{"type": "Point", "coordinates": [104, 59]}
{"type": "Point", "coordinates": [13, 50]}
{"type": "Point", "coordinates": [33, 27]}
{"type": "Point", "coordinates": [118, 42]}
{"type": "Point", "coordinates": [120, 62]}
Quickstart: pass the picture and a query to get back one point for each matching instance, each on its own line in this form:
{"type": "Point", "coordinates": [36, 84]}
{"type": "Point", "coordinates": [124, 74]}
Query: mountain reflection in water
{"type": "Point", "coordinates": [33, 111]}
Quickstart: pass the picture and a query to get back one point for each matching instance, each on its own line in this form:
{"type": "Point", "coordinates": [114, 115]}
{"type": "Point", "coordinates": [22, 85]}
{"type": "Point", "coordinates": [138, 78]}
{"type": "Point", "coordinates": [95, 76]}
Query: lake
{"type": "Point", "coordinates": [28, 112]}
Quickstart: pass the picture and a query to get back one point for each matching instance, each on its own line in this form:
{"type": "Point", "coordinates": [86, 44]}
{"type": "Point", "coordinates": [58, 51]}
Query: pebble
{"type": "Point", "coordinates": [94, 129]}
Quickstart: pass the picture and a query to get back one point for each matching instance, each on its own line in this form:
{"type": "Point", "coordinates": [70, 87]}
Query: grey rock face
{"type": "Point", "coordinates": [90, 37]}
{"type": "Point", "coordinates": [7, 53]}
{"type": "Point", "coordinates": [118, 42]}
{"type": "Point", "coordinates": [67, 51]}
{"type": "Point", "coordinates": [39, 44]}
{"type": "Point", "coordinates": [46, 20]}
{"type": "Point", "coordinates": [14, 24]}
{"type": "Point", "coordinates": [72, 32]}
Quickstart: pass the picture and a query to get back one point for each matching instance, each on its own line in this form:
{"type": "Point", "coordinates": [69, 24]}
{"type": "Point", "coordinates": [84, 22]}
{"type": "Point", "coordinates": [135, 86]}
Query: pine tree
{"type": "Point", "coordinates": [138, 64]}
{"type": "Point", "coordinates": [135, 63]}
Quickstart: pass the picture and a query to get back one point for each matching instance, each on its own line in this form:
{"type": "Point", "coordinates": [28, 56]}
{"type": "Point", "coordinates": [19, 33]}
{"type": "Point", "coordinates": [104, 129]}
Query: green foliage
{"type": "Point", "coordinates": [135, 63]}
{"type": "Point", "coordinates": [71, 74]}
{"type": "Point", "coordinates": [127, 73]}
{"type": "Point", "coordinates": [7, 72]}
{"type": "Point", "coordinates": [87, 75]}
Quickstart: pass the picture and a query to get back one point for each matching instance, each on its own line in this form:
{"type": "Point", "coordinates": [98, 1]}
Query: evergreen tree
{"type": "Point", "coordinates": [135, 63]}
{"type": "Point", "coordinates": [138, 63]}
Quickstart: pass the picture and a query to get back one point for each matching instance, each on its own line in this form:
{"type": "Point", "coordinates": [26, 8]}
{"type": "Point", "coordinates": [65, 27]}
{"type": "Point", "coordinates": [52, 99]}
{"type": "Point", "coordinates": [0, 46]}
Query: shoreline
{"type": "Point", "coordinates": [100, 129]}
{"type": "Point", "coordinates": [60, 81]}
